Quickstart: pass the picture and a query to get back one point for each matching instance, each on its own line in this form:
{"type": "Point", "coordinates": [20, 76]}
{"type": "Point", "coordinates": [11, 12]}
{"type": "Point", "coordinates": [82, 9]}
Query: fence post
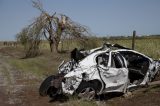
{"type": "Point", "coordinates": [133, 40]}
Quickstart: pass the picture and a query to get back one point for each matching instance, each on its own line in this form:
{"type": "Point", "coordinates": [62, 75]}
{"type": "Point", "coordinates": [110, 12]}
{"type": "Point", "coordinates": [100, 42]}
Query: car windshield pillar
{"type": "Point", "coordinates": [117, 60]}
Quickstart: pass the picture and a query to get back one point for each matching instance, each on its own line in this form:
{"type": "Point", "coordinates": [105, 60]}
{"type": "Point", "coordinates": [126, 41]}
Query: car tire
{"type": "Point", "coordinates": [87, 90]}
{"type": "Point", "coordinates": [45, 86]}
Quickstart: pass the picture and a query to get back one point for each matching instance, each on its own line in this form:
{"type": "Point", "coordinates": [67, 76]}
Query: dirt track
{"type": "Point", "coordinates": [18, 88]}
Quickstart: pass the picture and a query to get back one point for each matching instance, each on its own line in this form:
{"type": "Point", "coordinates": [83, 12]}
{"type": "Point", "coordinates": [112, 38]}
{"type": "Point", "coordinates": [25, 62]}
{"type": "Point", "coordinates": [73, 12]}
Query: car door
{"type": "Point", "coordinates": [114, 74]}
{"type": "Point", "coordinates": [138, 65]}
{"type": "Point", "coordinates": [136, 61]}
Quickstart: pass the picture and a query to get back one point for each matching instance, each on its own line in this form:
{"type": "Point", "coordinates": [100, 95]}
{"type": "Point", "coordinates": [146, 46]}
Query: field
{"type": "Point", "coordinates": [22, 77]}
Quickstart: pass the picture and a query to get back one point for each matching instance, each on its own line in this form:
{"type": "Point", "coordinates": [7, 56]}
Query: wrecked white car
{"type": "Point", "coordinates": [110, 68]}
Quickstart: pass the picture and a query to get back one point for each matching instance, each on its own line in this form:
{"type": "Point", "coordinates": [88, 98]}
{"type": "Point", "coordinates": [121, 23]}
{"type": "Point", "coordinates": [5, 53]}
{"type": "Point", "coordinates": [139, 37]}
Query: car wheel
{"type": "Point", "coordinates": [45, 86]}
{"type": "Point", "coordinates": [52, 92]}
{"type": "Point", "coordinates": [86, 90]}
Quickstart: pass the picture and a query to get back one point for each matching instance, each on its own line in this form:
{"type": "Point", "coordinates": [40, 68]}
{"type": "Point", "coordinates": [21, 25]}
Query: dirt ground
{"type": "Point", "coordinates": [19, 88]}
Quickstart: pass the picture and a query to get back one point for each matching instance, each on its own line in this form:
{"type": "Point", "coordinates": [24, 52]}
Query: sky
{"type": "Point", "coordinates": [103, 17]}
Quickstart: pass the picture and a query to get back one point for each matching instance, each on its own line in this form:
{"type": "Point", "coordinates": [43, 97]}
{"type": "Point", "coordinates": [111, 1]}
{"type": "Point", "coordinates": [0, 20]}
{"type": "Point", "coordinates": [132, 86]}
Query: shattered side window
{"type": "Point", "coordinates": [102, 59]}
{"type": "Point", "coordinates": [117, 61]}
{"type": "Point", "coordinates": [136, 61]}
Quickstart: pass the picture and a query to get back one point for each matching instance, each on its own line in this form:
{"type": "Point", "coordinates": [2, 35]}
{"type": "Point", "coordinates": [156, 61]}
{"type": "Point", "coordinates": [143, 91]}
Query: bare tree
{"type": "Point", "coordinates": [52, 27]}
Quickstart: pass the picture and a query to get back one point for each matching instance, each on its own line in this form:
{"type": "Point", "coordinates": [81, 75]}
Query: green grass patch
{"type": "Point", "coordinates": [154, 88]}
{"type": "Point", "coordinates": [42, 65]}
{"type": "Point", "coordinates": [36, 66]}
{"type": "Point", "coordinates": [77, 102]}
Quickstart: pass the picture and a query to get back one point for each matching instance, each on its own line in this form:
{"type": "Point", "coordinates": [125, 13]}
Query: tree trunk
{"type": "Point", "coordinates": [55, 38]}
{"type": "Point", "coordinates": [54, 47]}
